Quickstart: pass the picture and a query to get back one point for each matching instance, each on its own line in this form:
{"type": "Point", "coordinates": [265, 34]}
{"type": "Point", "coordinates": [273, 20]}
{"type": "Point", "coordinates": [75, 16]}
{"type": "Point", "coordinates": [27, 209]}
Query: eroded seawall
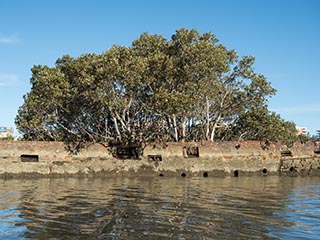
{"type": "Point", "coordinates": [182, 159]}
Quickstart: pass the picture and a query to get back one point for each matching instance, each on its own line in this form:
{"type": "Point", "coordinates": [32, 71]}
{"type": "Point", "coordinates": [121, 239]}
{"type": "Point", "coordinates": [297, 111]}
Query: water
{"type": "Point", "coordinates": [160, 208]}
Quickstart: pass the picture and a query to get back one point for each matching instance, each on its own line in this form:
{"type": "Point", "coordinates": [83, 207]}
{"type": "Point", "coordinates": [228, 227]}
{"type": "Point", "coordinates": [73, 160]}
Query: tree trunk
{"type": "Point", "coordinates": [215, 127]}
{"type": "Point", "coordinates": [106, 131]}
{"type": "Point", "coordinates": [207, 118]}
{"type": "Point", "coordinates": [117, 128]}
{"type": "Point", "coordinates": [219, 115]}
{"type": "Point", "coordinates": [183, 137]}
{"type": "Point", "coordinates": [175, 128]}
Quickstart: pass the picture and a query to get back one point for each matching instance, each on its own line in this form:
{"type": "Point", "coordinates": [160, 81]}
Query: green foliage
{"type": "Point", "coordinates": [260, 124]}
{"type": "Point", "coordinates": [9, 138]}
{"type": "Point", "coordinates": [183, 89]}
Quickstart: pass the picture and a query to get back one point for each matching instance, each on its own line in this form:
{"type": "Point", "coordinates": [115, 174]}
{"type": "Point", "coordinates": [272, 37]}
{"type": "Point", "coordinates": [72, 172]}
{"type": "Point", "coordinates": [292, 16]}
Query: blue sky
{"type": "Point", "coordinates": [283, 36]}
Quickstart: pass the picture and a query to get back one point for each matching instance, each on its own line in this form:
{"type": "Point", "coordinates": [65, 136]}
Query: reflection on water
{"type": "Point", "coordinates": [160, 208]}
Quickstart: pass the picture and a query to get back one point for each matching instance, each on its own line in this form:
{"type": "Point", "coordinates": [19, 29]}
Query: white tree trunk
{"type": "Point", "coordinates": [215, 127]}
{"type": "Point", "coordinates": [207, 119]}
{"type": "Point", "coordinates": [184, 123]}
{"type": "Point", "coordinates": [175, 128]}
{"type": "Point", "coordinates": [117, 128]}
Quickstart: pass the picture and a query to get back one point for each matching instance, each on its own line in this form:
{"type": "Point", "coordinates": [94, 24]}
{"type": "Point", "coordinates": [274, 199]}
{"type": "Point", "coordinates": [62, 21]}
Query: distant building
{"type": "Point", "coordinates": [302, 131]}
{"type": "Point", "coordinates": [6, 132]}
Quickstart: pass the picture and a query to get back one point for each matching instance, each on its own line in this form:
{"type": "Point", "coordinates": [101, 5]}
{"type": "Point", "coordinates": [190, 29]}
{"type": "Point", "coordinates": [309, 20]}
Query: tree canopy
{"type": "Point", "coordinates": [187, 88]}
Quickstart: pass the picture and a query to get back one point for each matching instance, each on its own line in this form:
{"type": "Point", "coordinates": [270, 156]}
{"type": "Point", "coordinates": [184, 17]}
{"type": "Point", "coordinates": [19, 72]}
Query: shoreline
{"type": "Point", "coordinates": [246, 158]}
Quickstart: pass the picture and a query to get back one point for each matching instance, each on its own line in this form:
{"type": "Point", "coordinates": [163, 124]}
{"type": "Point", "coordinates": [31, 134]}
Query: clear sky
{"type": "Point", "coordinates": [283, 35]}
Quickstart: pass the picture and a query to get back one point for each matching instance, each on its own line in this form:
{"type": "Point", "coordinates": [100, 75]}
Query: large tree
{"type": "Point", "coordinates": [189, 87]}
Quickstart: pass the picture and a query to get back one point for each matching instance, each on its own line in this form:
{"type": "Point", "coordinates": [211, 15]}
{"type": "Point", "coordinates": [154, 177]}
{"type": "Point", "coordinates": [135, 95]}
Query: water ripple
{"type": "Point", "coordinates": [160, 208]}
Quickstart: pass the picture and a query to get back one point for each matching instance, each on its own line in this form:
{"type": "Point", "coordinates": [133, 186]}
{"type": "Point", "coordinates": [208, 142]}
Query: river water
{"type": "Point", "coordinates": [268, 207]}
